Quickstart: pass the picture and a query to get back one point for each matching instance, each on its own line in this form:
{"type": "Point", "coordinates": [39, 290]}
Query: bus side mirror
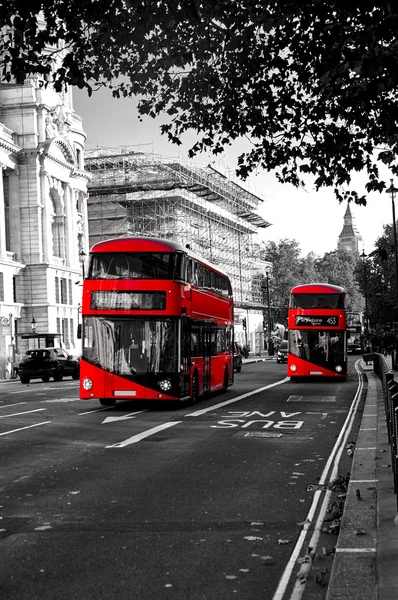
{"type": "Point", "coordinates": [79, 332]}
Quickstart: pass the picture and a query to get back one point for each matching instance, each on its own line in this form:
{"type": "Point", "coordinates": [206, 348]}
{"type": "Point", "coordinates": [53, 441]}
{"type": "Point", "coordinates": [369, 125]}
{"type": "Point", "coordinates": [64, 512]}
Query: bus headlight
{"type": "Point", "coordinates": [339, 368]}
{"type": "Point", "coordinates": [165, 385]}
{"type": "Point", "coordinates": [87, 384]}
{"type": "Point", "coordinates": [293, 368]}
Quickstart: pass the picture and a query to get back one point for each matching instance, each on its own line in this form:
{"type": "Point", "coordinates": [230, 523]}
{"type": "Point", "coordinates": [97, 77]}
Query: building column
{"type": "Point", "coordinates": [3, 245]}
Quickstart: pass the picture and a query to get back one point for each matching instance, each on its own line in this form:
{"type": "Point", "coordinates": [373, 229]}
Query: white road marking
{"type": "Point", "coordinates": [26, 412]}
{"type": "Point", "coordinates": [356, 550]}
{"type": "Point", "coordinates": [123, 418]}
{"type": "Point", "coordinates": [28, 427]}
{"type": "Point", "coordinates": [8, 405]}
{"type": "Point", "coordinates": [198, 413]}
{"type": "Point", "coordinates": [140, 436]}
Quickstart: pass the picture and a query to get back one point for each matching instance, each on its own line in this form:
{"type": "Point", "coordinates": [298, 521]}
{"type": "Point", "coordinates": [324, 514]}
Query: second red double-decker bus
{"type": "Point", "coordinates": [317, 331]}
{"type": "Point", "coordinates": [157, 323]}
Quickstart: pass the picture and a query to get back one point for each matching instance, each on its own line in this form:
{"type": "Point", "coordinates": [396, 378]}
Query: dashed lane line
{"type": "Point", "coordinates": [26, 412]}
{"type": "Point", "coordinates": [22, 428]}
{"type": "Point", "coordinates": [140, 436]}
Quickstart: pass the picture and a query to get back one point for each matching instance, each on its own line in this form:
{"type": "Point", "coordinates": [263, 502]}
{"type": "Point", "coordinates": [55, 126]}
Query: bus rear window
{"type": "Point", "coordinates": [131, 265]}
{"type": "Point", "coordinates": [317, 301]}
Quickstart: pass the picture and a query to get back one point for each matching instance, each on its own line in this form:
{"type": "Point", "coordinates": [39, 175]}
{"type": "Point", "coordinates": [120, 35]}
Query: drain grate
{"type": "Point", "coordinates": [311, 399]}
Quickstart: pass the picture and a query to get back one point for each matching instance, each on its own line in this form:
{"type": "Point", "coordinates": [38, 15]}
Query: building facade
{"type": "Point", "coordinates": [43, 216]}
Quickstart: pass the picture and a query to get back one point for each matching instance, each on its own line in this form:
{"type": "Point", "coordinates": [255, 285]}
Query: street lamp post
{"type": "Point", "coordinates": [270, 343]}
{"type": "Point", "coordinates": [363, 256]}
{"type": "Point", "coordinates": [33, 325]}
{"type": "Point", "coordinates": [392, 191]}
{"type": "Point", "coordinates": [82, 259]}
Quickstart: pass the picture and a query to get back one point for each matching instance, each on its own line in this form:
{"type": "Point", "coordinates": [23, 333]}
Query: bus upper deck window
{"type": "Point", "coordinates": [179, 268]}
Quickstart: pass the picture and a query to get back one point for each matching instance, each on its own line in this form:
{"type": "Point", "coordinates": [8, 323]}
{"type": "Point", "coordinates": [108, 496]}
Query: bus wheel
{"type": "Point", "coordinates": [194, 390]}
{"type": "Point", "coordinates": [107, 401]}
{"type": "Point", "coordinates": [226, 381]}
{"type": "Point", "coordinates": [294, 378]}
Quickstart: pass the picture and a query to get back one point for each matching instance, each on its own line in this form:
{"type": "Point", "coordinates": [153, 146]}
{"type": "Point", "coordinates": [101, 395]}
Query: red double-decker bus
{"type": "Point", "coordinates": [157, 323]}
{"type": "Point", "coordinates": [317, 331]}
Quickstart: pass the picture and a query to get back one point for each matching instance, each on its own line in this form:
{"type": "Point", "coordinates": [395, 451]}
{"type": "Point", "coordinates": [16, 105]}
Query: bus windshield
{"type": "Point", "coordinates": [131, 346]}
{"type": "Point", "coordinates": [317, 301]}
{"type": "Point", "coordinates": [318, 347]}
{"type": "Point", "coordinates": [131, 265]}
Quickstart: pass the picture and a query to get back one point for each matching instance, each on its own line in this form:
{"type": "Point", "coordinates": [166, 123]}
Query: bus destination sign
{"type": "Point", "coordinates": [317, 321]}
{"type": "Point", "coordinates": [121, 300]}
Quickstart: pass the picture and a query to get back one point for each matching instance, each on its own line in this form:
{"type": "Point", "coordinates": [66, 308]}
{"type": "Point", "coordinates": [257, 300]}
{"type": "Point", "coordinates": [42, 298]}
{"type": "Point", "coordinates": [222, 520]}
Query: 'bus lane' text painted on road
{"type": "Point", "coordinates": [236, 418]}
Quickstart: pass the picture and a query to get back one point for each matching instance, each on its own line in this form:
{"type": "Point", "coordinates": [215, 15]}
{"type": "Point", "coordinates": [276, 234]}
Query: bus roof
{"type": "Point", "coordinates": [150, 244]}
{"type": "Point", "coordinates": [318, 288]}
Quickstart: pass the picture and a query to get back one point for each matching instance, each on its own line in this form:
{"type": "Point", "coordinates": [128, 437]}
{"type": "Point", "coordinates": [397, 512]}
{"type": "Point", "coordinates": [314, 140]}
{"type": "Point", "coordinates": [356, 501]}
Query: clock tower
{"type": "Point", "coordinates": [350, 239]}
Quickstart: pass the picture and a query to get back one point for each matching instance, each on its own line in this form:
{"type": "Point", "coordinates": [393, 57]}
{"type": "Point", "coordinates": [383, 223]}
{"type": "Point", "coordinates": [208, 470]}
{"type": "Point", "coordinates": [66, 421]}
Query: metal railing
{"type": "Point", "coordinates": [390, 395]}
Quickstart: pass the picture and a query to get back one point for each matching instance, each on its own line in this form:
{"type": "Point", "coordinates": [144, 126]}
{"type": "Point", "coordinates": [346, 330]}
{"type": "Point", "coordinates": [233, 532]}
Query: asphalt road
{"type": "Point", "coordinates": [142, 502]}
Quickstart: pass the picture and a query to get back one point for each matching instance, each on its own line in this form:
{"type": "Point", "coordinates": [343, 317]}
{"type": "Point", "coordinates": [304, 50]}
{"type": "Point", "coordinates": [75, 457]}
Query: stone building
{"type": "Point", "coordinates": [43, 215]}
{"type": "Point", "coordinates": [350, 239]}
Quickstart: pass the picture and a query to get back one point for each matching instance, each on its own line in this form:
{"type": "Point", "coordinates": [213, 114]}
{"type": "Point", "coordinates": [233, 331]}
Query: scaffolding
{"type": "Point", "coordinates": [138, 194]}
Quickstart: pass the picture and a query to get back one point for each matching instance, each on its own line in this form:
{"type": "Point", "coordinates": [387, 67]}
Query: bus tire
{"type": "Point", "coordinates": [107, 401]}
{"type": "Point", "coordinates": [194, 389]}
{"type": "Point", "coordinates": [226, 381]}
{"type": "Point", "coordinates": [294, 378]}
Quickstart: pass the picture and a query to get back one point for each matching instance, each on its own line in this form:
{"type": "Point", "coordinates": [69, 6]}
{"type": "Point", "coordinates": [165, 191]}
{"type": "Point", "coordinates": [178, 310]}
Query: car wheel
{"type": "Point", "coordinates": [45, 378]}
{"type": "Point", "coordinates": [238, 368]}
{"type": "Point", "coordinates": [58, 376]}
{"type": "Point", "coordinates": [76, 375]}
{"type": "Point", "coordinates": [24, 379]}
{"type": "Point", "coordinates": [107, 401]}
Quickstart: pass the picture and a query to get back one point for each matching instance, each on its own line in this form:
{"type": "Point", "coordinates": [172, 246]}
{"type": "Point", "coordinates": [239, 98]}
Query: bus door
{"type": "Point", "coordinates": [187, 345]}
{"type": "Point", "coordinates": [207, 346]}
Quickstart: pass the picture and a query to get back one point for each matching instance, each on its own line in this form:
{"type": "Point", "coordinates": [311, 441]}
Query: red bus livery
{"type": "Point", "coordinates": [157, 323]}
{"type": "Point", "coordinates": [317, 331]}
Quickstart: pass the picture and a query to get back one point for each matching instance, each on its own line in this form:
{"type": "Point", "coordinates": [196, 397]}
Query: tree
{"type": "Point", "coordinates": [376, 278]}
{"type": "Point", "coordinates": [339, 268]}
{"type": "Point", "coordinates": [285, 259]}
{"type": "Point", "coordinates": [312, 84]}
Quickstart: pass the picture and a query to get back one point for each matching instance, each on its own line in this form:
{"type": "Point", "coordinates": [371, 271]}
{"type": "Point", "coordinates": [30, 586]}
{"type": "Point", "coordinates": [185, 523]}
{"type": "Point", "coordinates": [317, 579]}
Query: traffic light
{"type": "Point", "coordinates": [265, 325]}
{"type": "Point", "coordinates": [244, 323]}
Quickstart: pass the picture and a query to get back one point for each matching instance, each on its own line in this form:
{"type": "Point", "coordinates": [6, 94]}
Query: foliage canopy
{"type": "Point", "coordinates": [312, 84]}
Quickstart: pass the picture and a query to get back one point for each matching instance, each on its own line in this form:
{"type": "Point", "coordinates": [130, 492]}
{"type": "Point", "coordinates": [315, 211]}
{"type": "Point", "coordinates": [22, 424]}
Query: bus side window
{"type": "Point", "coordinates": [189, 264]}
{"type": "Point", "coordinates": [200, 275]}
{"type": "Point", "coordinates": [179, 271]}
{"type": "Point", "coordinates": [194, 273]}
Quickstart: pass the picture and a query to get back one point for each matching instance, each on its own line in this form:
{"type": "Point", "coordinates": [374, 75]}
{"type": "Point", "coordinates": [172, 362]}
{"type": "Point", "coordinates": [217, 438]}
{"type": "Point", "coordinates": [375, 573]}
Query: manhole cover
{"type": "Point", "coordinates": [311, 399]}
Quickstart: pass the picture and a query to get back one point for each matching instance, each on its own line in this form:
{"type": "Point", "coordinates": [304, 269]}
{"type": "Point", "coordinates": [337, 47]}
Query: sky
{"type": "Point", "coordinates": [313, 219]}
